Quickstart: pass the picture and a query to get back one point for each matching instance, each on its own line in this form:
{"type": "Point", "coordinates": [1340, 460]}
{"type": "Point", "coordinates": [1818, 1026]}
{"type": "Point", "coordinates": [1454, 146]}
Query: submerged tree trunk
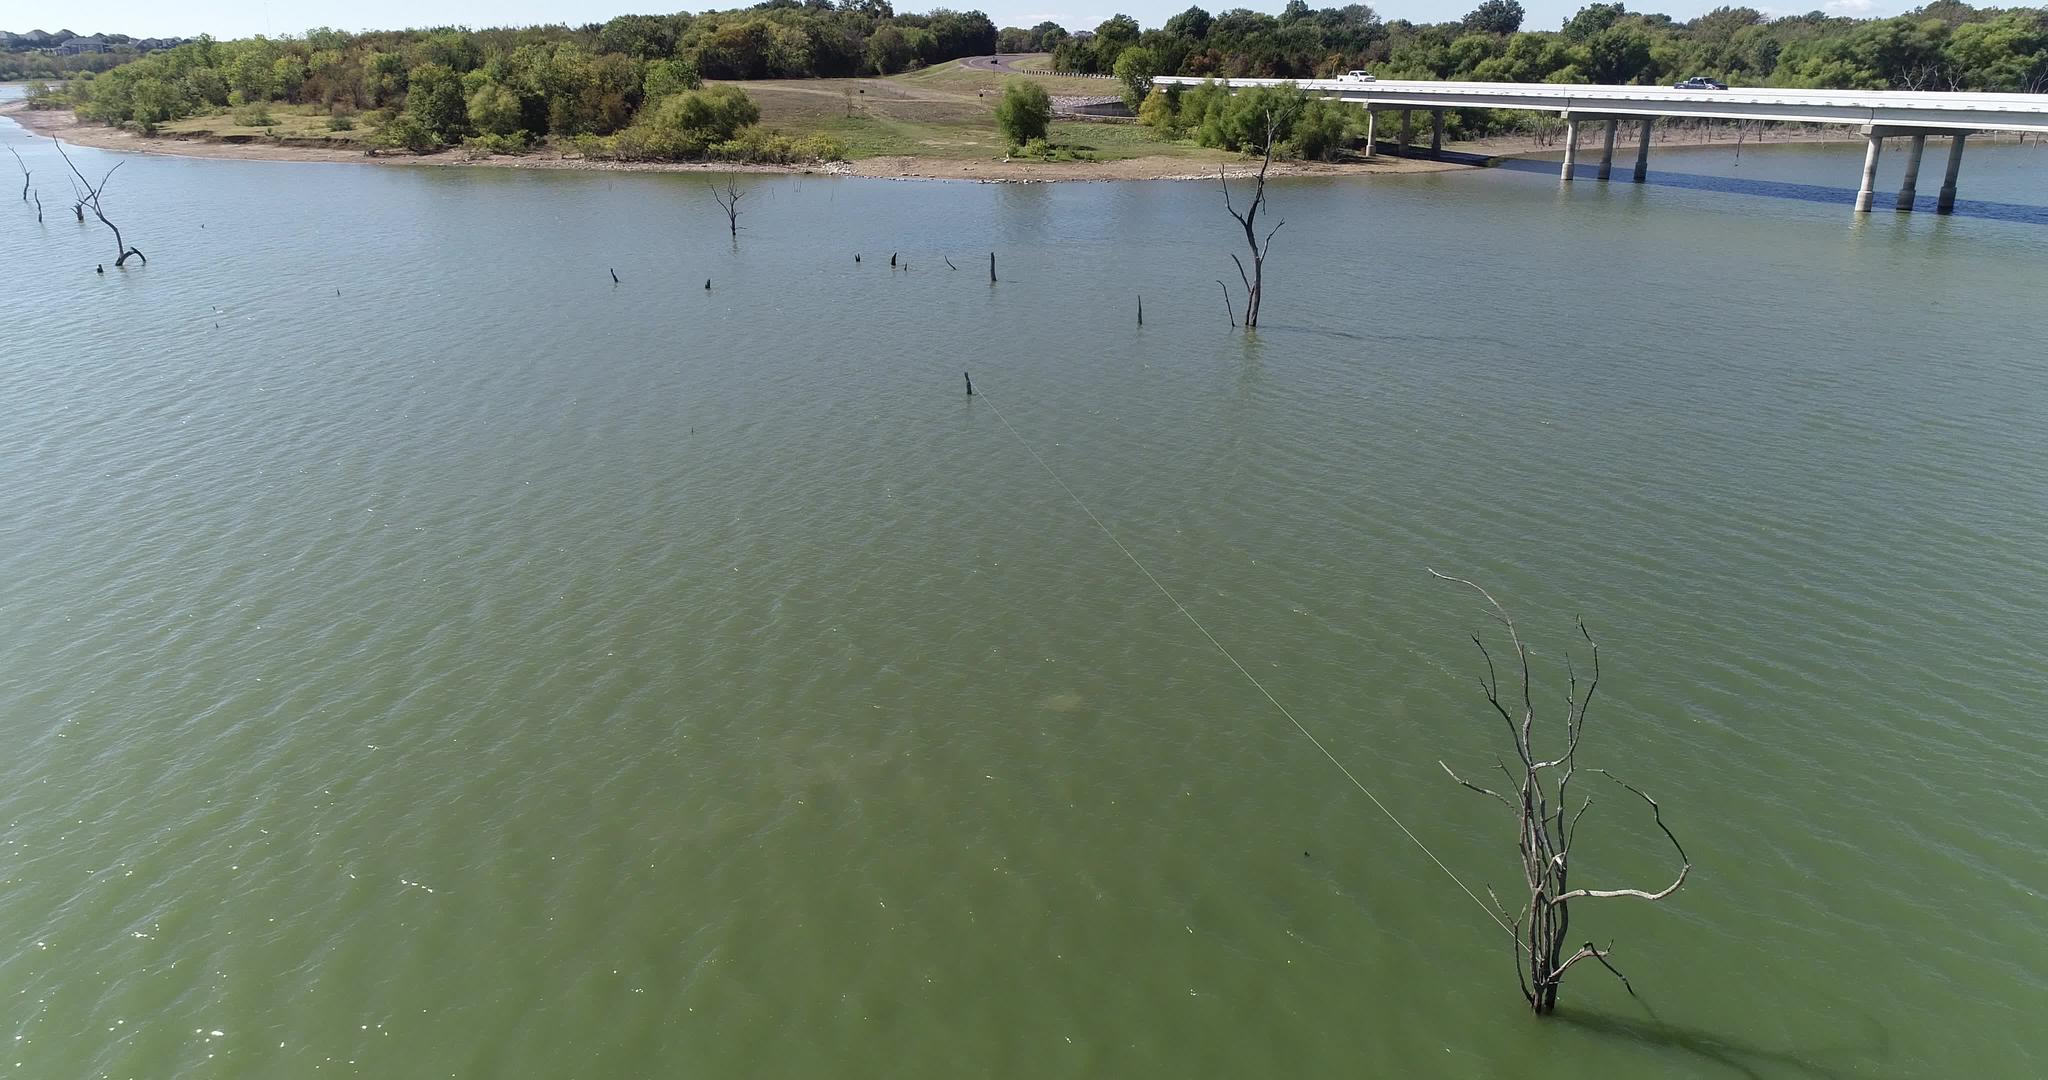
{"type": "Point", "coordinates": [729, 201]}
{"type": "Point", "coordinates": [1255, 281]}
{"type": "Point", "coordinates": [1545, 833]}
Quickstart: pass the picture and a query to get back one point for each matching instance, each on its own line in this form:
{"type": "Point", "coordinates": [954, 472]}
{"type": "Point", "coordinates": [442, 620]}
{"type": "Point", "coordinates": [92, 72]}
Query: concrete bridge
{"type": "Point", "coordinates": [1877, 114]}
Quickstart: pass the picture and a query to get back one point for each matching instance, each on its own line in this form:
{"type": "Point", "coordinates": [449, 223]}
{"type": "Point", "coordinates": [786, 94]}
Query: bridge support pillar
{"type": "Point", "coordinates": [1571, 150]}
{"type": "Point", "coordinates": [1910, 185]}
{"type": "Point", "coordinates": [1372, 120]}
{"type": "Point", "coordinates": [1607, 150]}
{"type": "Point", "coordinates": [1869, 186]}
{"type": "Point", "coordinates": [1643, 153]}
{"type": "Point", "coordinates": [1407, 130]}
{"type": "Point", "coordinates": [1946, 202]}
{"type": "Point", "coordinates": [1436, 133]}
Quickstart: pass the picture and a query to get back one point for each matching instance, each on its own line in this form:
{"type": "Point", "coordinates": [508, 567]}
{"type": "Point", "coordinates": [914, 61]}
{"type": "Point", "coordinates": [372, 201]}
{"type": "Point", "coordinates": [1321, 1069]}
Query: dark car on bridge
{"type": "Point", "coordinates": [1700, 82]}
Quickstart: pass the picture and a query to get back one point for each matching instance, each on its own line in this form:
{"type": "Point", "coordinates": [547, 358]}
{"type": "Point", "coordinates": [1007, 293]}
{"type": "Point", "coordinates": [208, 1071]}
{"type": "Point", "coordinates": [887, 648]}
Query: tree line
{"type": "Point", "coordinates": [1945, 45]}
{"type": "Point", "coordinates": [631, 87]}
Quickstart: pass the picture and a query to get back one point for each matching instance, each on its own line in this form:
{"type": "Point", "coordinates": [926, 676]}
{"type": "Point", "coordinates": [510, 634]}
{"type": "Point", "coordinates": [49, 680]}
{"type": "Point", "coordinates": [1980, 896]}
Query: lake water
{"type": "Point", "coordinates": [420, 656]}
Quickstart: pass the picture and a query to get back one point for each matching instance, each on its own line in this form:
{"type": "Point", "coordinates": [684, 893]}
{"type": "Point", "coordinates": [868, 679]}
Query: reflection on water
{"type": "Point", "coordinates": [2029, 214]}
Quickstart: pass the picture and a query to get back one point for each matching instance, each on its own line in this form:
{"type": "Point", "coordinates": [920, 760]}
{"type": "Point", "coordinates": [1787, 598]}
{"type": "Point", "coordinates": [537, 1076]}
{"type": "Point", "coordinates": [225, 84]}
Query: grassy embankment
{"type": "Point", "coordinates": [943, 112]}
{"type": "Point", "coordinates": [947, 112]}
{"type": "Point", "coordinates": [297, 124]}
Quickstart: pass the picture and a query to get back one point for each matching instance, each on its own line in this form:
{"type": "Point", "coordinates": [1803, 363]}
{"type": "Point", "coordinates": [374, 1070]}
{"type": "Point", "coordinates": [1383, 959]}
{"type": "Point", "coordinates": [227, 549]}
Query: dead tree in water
{"type": "Point", "coordinates": [1545, 833]}
{"type": "Point", "coordinates": [24, 172]}
{"type": "Point", "coordinates": [729, 201]}
{"type": "Point", "coordinates": [91, 198]}
{"type": "Point", "coordinates": [1254, 282]}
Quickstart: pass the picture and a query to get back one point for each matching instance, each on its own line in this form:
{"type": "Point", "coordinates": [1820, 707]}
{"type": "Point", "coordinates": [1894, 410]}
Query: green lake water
{"type": "Point", "coordinates": [422, 657]}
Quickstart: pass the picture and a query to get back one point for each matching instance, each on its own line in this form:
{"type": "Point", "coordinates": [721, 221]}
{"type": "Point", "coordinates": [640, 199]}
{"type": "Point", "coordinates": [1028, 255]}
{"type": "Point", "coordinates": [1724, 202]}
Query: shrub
{"type": "Point", "coordinates": [594, 147]}
{"type": "Point", "coordinates": [665, 77]}
{"type": "Point", "coordinates": [1161, 112]}
{"type": "Point", "coordinates": [483, 146]}
{"type": "Point", "coordinates": [406, 132]}
{"type": "Point", "coordinates": [685, 126]}
{"type": "Point", "coordinates": [1024, 111]}
{"type": "Point", "coordinates": [341, 122]}
{"type": "Point", "coordinates": [1045, 150]}
{"type": "Point", "coordinates": [774, 148]}
{"type": "Point", "coordinates": [254, 114]}
{"type": "Point", "coordinates": [715, 113]}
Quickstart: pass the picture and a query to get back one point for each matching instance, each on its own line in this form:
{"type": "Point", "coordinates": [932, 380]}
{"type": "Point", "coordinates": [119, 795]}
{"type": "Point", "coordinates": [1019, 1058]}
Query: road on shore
{"type": "Point", "coordinates": [989, 63]}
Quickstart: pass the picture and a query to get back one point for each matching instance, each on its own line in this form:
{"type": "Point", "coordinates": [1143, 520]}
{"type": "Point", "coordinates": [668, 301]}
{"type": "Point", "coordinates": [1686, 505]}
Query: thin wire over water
{"type": "Point", "coordinates": [1242, 670]}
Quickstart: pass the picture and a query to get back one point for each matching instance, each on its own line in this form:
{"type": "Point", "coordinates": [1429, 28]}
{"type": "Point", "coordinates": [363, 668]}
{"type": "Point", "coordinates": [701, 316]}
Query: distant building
{"type": "Point", "coordinates": [66, 43]}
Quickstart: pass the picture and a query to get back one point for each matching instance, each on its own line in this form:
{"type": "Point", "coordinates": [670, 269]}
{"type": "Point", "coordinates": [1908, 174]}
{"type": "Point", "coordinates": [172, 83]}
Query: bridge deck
{"type": "Point", "coordinates": [1929, 112]}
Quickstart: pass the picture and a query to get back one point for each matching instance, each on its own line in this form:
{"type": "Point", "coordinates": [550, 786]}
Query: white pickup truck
{"type": "Point", "coordinates": [1356, 76]}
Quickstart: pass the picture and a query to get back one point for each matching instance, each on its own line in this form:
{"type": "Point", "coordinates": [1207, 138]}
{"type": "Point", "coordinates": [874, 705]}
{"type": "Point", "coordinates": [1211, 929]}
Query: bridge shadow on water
{"type": "Point", "coordinates": [1769, 189]}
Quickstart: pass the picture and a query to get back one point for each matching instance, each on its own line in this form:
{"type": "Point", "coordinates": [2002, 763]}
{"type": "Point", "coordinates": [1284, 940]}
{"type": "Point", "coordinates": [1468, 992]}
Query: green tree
{"type": "Point", "coordinates": [1192, 24]}
{"type": "Point", "coordinates": [888, 51]}
{"type": "Point", "coordinates": [1134, 68]}
{"type": "Point", "coordinates": [384, 77]}
{"type": "Point", "coordinates": [495, 110]}
{"type": "Point", "coordinates": [1495, 17]}
{"type": "Point", "coordinates": [253, 75]}
{"type": "Point", "coordinates": [1112, 36]}
{"type": "Point", "coordinates": [1618, 54]}
{"type": "Point", "coordinates": [1592, 19]}
{"type": "Point", "coordinates": [434, 98]}
{"type": "Point", "coordinates": [1024, 112]}
{"type": "Point", "coordinates": [665, 77]}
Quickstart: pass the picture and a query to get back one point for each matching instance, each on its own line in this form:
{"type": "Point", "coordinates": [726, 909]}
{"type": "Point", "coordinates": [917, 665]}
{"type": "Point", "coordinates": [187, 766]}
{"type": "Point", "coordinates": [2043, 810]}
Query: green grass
{"type": "Point", "coordinates": [307, 122]}
{"type": "Point", "coordinates": [946, 111]}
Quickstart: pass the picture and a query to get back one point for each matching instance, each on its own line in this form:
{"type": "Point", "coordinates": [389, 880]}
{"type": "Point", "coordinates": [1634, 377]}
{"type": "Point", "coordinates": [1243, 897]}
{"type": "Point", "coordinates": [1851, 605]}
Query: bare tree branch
{"type": "Point", "coordinates": [91, 198]}
{"type": "Point", "coordinates": [1483, 791]}
{"type": "Point", "coordinates": [1657, 815]}
{"type": "Point", "coordinates": [1254, 282]}
{"type": "Point", "coordinates": [729, 201]}
{"type": "Point", "coordinates": [1545, 835]}
{"type": "Point", "coordinates": [1588, 952]}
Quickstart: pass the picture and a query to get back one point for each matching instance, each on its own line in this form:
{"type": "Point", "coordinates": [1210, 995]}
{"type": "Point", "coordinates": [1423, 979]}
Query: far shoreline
{"type": "Point", "coordinates": [64, 124]}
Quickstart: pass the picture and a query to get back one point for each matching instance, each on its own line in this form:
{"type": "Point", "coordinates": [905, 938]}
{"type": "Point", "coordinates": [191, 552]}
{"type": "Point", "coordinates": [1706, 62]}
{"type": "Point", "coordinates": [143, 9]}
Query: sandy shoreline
{"type": "Point", "coordinates": [64, 124]}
